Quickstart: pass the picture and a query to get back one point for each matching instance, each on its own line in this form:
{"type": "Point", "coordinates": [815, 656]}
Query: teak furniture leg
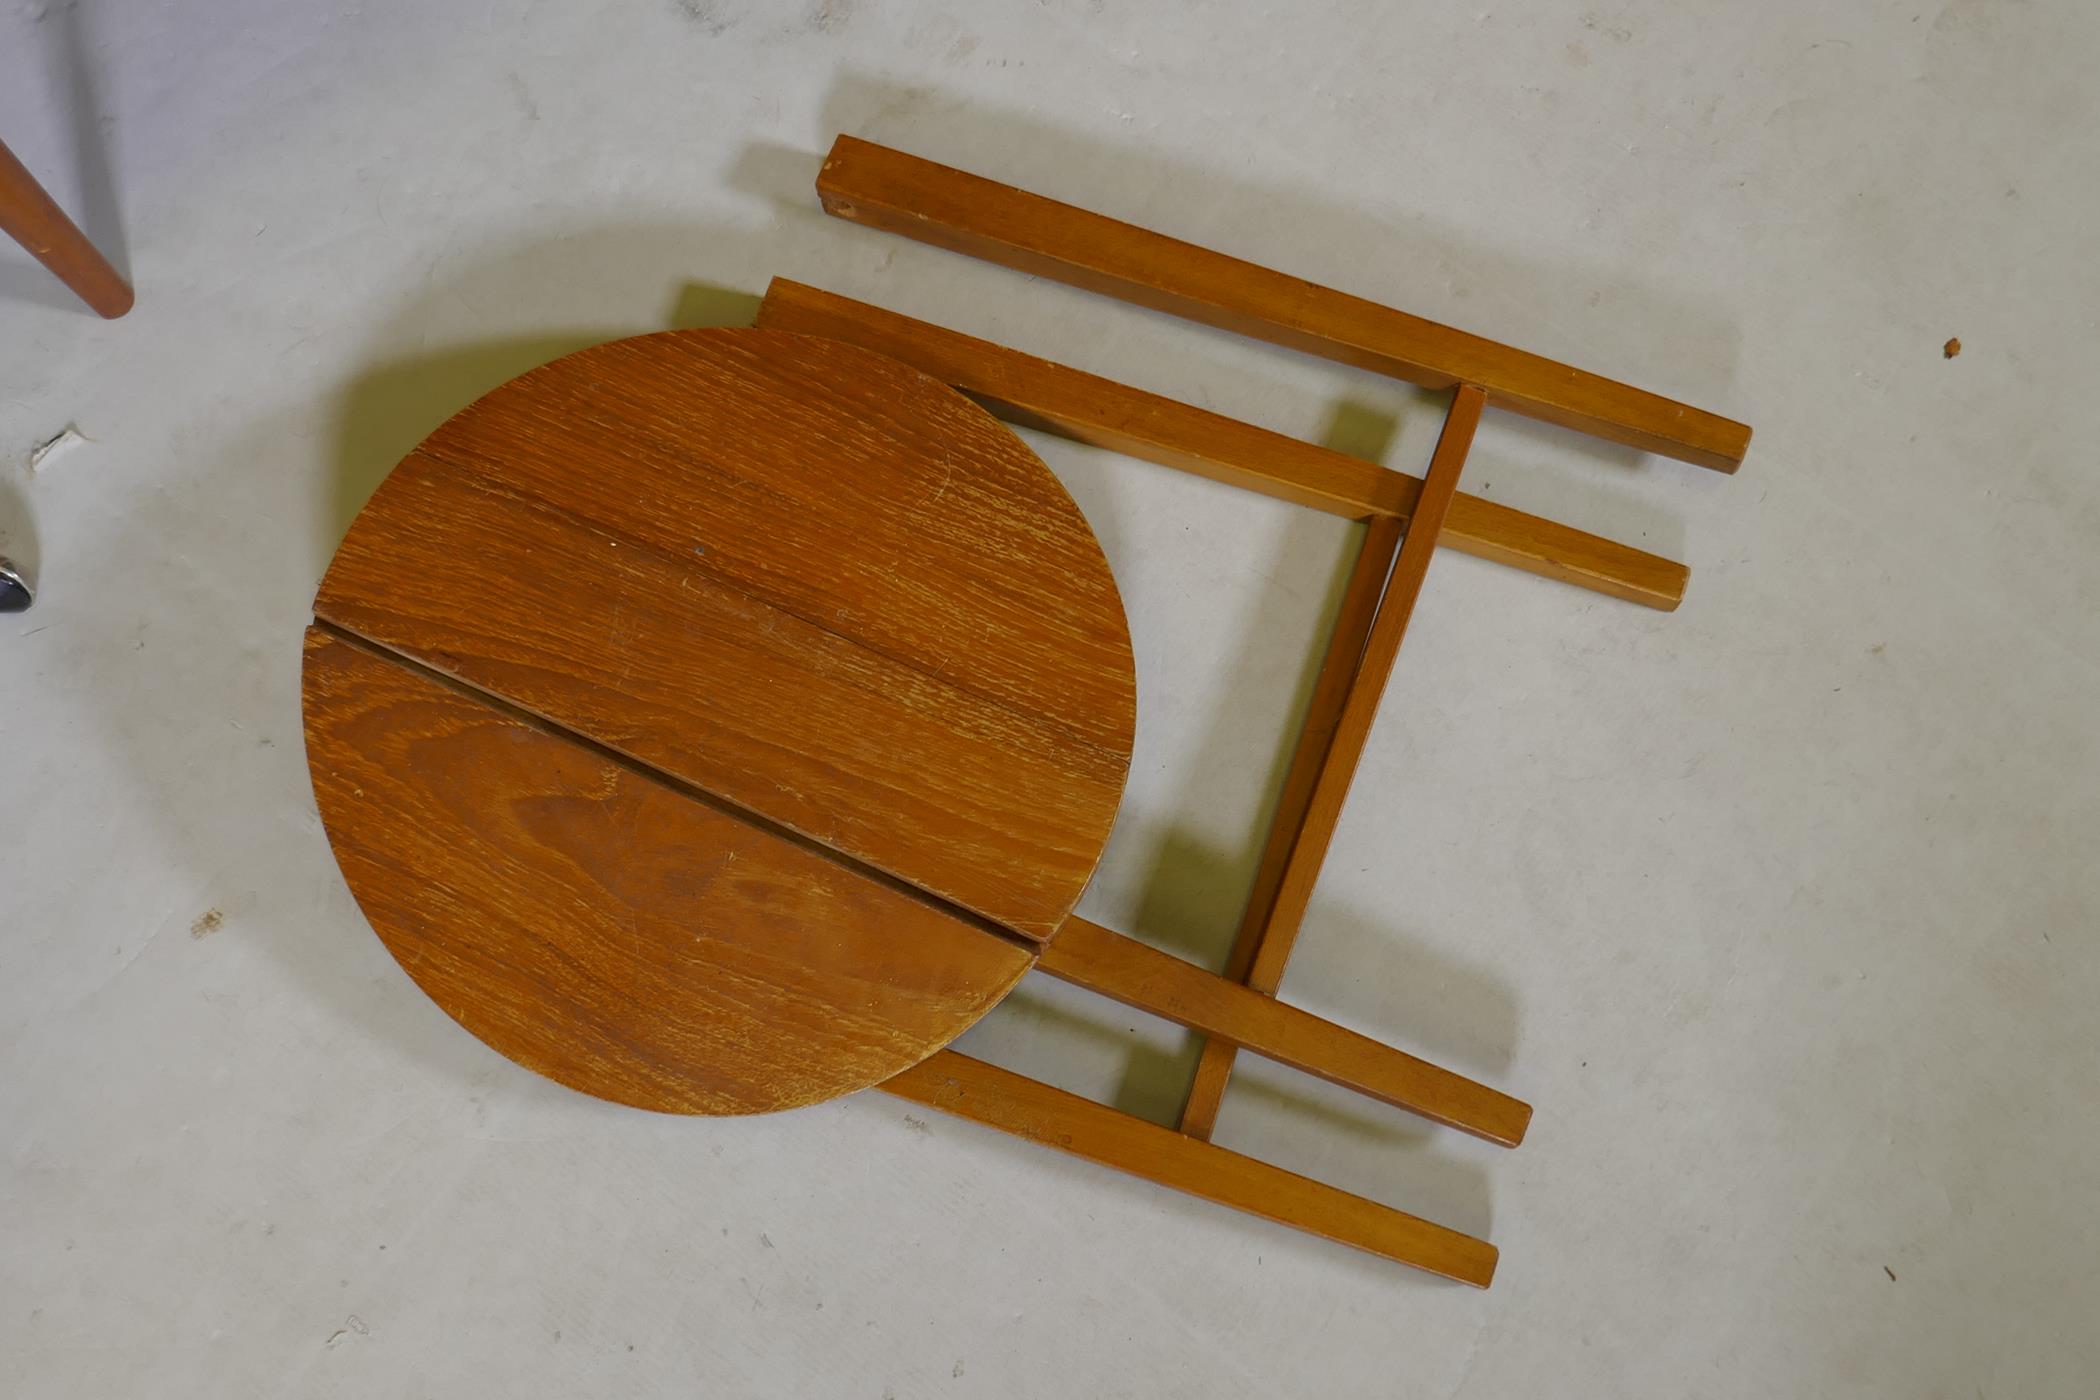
{"type": "Point", "coordinates": [1137, 974]}
{"type": "Point", "coordinates": [1014, 1103]}
{"type": "Point", "coordinates": [1265, 946]}
{"type": "Point", "coordinates": [1345, 649]}
{"type": "Point", "coordinates": [966, 213]}
{"type": "Point", "coordinates": [33, 220]}
{"type": "Point", "coordinates": [1041, 394]}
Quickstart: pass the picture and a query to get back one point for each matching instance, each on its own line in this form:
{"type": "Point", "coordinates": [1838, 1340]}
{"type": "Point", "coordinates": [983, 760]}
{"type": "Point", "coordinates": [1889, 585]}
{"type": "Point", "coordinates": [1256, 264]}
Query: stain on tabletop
{"type": "Point", "coordinates": [207, 923]}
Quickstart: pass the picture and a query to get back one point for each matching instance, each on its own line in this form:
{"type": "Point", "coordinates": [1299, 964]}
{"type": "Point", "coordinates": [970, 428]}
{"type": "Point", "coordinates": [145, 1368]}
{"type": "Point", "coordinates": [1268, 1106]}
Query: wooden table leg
{"type": "Point", "coordinates": [38, 224]}
{"type": "Point", "coordinates": [948, 208]}
{"type": "Point", "coordinates": [1014, 1103]}
{"type": "Point", "coordinates": [1265, 945]}
{"type": "Point", "coordinates": [1345, 649]}
{"type": "Point", "coordinates": [1137, 974]}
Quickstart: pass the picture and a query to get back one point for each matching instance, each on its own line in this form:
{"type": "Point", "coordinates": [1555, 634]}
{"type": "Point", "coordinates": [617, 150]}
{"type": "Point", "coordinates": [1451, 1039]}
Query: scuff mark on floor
{"type": "Point", "coordinates": [47, 452]}
{"type": "Point", "coordinates": [707, 14]}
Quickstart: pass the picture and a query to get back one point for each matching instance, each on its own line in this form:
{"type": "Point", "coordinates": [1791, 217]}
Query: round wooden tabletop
{"type": "Point", "coordinates": [717, 721]}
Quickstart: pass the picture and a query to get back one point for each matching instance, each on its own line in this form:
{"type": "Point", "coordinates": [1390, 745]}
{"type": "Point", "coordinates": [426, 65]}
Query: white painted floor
{"type": "Point", "coordinates": [1782, 909]}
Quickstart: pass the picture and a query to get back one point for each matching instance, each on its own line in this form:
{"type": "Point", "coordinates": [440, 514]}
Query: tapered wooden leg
{"type": "Point", "coordinates": [1264, 947]}
{"type": "Point", "coordinates": [1345, 648]}
{"type": "Point", "coordinates": [1014, 1103]}
{"type": "Point", "coordinates": [31, 218]}
{"type": "Point", "coordinates": [1136, 974]}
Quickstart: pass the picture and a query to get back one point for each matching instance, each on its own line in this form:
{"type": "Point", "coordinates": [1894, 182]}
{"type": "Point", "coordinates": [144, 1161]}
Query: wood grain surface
{"type": "Point", "coordinates": [815, 583]}
{"type": "Point", "coordinates": [610, 930]}
{"type": "Point", "coordinates": [1053, 398]}
{"type": "Point", "coordinates": [1101, 960]}
{"type": "Point", "coordinates": [1013, 1103]}
{"type": "Point", "coordinates": [1259, 955]}
{"type": "Point", "coordinates": [838, 486]}
{"type": "Point", "coordinates": [949, 208]}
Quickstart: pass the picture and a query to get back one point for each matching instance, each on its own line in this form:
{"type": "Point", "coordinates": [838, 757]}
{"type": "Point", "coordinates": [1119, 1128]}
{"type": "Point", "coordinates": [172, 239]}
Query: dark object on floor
{"type": "Point", "coordinates": [14, 590]}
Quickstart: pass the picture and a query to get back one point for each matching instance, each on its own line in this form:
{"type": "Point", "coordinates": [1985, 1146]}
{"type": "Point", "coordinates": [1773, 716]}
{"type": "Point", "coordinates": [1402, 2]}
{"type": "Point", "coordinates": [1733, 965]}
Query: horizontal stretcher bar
{"type": "Point", "coordinates": [903, 194]}
{"type": "Point", "coordinates": [1014, 1103]}
{"type": "Point", "coordinates": [1042, 394]}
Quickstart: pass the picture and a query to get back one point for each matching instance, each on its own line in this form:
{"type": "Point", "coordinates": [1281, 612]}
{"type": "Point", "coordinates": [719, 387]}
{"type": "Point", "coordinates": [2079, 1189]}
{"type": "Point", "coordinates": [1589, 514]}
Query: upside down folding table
{"type": "Point", "coordinates": [722, 721]}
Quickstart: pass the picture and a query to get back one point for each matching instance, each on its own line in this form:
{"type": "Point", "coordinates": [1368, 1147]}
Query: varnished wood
{"type": "Point", "coordinates": [34, 220]}
{"type": "Point", "coordinates": [1013, 1103]}
{"type": "Point", "coordinates": [1263, 950]}
{"type": "Point", "coordinates": [810, 581]}
{"type": "Point", "coordinates": [1088, 955]}
{"type": "Point", "coordinates": [1338, 667]}
{"type": "Point", "coordinates": [604, 928]}
{"type": "Point", "coordinates": [966, 213]}
{"type": "Point", "coordinates": [1041, 394]}
{"type": "Point", "coordinates": [835, 485]}
{"type": "Point", "coordinates": [718, 722]}
{"type": "Point", "coordinates": [714, 721]}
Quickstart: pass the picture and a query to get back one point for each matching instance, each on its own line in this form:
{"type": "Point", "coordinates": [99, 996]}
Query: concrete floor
{"type": "Point", "coordinates": [1781, 909]}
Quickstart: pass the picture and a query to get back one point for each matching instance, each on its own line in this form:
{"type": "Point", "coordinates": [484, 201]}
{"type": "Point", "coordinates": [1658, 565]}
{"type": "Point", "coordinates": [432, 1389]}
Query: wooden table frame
{"type": "Point", "coordinates": [1407, 519]}
{"type": "Point", "coordinates": [1238, 1011]}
